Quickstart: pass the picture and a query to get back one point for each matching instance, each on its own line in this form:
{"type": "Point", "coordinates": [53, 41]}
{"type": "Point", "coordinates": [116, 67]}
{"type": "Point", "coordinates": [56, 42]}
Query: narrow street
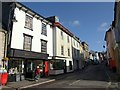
{"type": "Point", "coordinates": [93, 77]}
{"type": "Point", "coordinates": [60, 45]}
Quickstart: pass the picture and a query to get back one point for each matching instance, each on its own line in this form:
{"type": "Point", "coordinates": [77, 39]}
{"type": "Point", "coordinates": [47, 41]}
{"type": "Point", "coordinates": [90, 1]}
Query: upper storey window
{"type": "Point", "coordinates": [44, 29]}
{"type": "Point", "coordinates": [29, 22]}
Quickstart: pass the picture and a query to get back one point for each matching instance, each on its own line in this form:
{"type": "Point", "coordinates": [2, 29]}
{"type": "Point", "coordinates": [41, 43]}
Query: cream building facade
{"type": "Point", "coordinates": [62, 50]}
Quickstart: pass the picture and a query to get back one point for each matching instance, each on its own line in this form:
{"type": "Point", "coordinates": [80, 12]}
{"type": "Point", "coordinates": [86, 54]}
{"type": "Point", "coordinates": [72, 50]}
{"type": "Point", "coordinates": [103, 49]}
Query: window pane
{"type": "Point", "coordinates": [62, 50]}
{"type": "Point", "coordinates": [27, 42]}
{"type": "Point", "coordinates": [43, 46]}
{"type": "Point", "coordinates": [28, 22]}
{"type": "Point", "coordinates": [44, 29]}
{"type": "Point", "coordinates": [61, 34]}
{"type": "Point", "coordinates": [68, 52]}
{"type": "Point", "coordinates": [68, 39]}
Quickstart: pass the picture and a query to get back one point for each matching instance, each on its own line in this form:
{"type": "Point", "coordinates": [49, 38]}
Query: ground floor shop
{"type": "Point", "coordinates": [26, 68]}
{"type": "Point", "coordinates": [23, 67]}
{"type": "Point", "coordinates": [60, 66]}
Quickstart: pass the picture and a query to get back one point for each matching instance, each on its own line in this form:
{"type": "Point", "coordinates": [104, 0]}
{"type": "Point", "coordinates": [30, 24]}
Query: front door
{"type": "Point", "coordinates": [29, 69]}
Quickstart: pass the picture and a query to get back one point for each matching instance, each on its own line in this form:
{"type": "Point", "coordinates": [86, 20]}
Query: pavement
{"type": "Point", "coordinates": [25, 84]}
{"type": "Point", "coordinates": [30, 83]}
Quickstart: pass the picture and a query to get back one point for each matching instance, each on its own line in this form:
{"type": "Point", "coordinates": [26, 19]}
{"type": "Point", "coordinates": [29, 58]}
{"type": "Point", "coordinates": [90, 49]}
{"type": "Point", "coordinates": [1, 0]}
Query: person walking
{"type": "Point", "coordinates": [37, 73]}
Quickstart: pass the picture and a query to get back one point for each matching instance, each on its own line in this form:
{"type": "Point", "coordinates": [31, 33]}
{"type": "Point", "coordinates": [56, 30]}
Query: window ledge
{"type": "Point", "coordinates": [28, 28]}
{"type": "Point", "coordinates": [43, 34]}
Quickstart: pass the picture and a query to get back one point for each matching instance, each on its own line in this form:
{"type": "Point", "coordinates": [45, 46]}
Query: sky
{"type": "Point", "coordinates": [87, 20]}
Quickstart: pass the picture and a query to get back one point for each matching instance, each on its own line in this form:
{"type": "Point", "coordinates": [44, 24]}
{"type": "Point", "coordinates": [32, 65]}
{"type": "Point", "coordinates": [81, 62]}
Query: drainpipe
{"type": "Point", "coordinates": [5, 46]}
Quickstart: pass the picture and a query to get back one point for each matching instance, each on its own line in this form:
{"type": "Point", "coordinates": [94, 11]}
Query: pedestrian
{"type": "Point", "coordinates": [37, 73]}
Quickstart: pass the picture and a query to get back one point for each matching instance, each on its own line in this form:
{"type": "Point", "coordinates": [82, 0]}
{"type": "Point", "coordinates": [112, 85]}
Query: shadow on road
{"type": "Point", "coordinates": [91, 72]}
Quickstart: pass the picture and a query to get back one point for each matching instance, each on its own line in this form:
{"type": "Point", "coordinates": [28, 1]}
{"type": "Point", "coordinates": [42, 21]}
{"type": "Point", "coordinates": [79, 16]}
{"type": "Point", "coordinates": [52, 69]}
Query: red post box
{"type": "Point", "coordinates": [4, 78]}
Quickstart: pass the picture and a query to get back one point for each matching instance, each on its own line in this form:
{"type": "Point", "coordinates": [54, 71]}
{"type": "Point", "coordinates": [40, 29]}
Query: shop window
{"type": "Point", "coordinates": [51, 65]}
{"type": "Point", "coordinates": [15, 67]}
{"type": "Point", "coordinates": [56, 64]}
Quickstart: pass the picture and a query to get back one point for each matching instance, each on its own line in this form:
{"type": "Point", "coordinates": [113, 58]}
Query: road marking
{"type": "Point", "coordinates": [74, 82]}
{"type": "Point", "coordinates": [37, 84]}
{"type": "Point", "coordinates": [112, 85]}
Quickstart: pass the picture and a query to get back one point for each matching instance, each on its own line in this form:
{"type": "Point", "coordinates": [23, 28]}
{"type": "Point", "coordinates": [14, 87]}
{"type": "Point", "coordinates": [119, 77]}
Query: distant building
{"type": "Point", "coordinates": [92, 55]}
{"type": "Point", "coordinates": [86, 50]}
{"type": "Point", "coordinates": [109, 38]}
{"type": "Point", "coordinates": [76, 53]}
{"type": "Point", "coordinates": [81, 56]}
{"type": "Point", "coordinates": [97, 56]}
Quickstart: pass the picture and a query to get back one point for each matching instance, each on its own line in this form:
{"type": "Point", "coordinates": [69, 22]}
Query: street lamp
{"type": "Point", "coordinates": [103, 46]}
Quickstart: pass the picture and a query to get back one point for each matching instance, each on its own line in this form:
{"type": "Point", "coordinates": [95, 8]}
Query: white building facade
{"type": "Point", "coordinates": [31, 42]}
{"type": "Point", "coordinates": [77, 62]}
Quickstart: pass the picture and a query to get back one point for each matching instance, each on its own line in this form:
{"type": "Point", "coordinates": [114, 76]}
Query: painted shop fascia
{"type": "Point", "coordinates": [16, 53]}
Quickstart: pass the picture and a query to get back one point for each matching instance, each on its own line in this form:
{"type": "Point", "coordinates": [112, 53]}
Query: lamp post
{"type": "Point", "coordinates": [103, 46]}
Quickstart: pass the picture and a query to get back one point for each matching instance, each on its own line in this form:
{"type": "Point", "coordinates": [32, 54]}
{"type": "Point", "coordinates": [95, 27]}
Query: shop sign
{"type": "Point", "coordinates": [28, 54]}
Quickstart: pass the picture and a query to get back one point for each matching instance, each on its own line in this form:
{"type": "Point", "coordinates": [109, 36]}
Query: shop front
{"type": "Point", "coordinates": [22, 64]}
{"type": "Point", "coordinates": [30, 66]}
{"type": "Point", "coordinates": [57, 66]}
